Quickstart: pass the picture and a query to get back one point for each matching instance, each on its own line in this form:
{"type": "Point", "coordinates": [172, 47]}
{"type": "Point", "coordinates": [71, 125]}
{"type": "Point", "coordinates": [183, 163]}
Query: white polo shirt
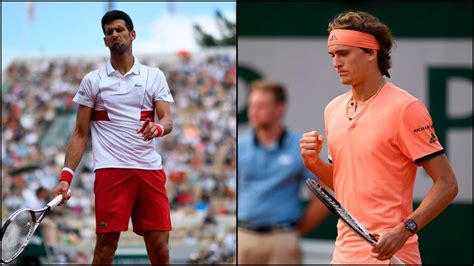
{"type": "Point", "coordinates": [121, 104]}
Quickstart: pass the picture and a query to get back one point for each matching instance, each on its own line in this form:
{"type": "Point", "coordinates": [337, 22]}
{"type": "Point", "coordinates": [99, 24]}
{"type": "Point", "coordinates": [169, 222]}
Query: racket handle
{"type": "Point", "coordinates": [396, 261]}
{"type": "Point", "coordinates": [57, 200]}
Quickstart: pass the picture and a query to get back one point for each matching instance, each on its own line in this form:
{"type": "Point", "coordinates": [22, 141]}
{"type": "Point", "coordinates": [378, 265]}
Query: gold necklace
{"type": "Point", "coordinates": [365, 104]}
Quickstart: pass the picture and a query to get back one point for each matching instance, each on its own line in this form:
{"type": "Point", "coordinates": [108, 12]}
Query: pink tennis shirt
{"type": "Point", "coordinates": [374, 160]}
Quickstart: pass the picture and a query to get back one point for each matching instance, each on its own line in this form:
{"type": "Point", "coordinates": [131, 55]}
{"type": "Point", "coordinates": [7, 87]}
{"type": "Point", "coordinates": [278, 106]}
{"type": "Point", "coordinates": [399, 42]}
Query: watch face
{"type": "Point", "coordinates": [411, 225]}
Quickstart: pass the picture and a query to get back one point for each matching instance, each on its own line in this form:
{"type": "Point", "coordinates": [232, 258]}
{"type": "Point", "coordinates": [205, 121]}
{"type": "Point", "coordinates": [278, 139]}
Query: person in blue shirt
{"type": "Point", "coordinates": [270, 175]}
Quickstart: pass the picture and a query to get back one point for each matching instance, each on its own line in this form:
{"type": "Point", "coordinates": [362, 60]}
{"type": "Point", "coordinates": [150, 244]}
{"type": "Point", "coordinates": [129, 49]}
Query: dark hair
{"type": "Point", "coordinates": [114, 15]}
{"type": "Point", "coordinates": [365, 22]}
{"type": "Point", "coordinates": [39, 190]}
{"type": "Point", "coordinates": [277, 89]}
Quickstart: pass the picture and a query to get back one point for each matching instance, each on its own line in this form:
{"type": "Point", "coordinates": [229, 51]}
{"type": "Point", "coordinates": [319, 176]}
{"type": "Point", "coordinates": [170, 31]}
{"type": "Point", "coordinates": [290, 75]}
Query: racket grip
{"type": "Point", "coordinates": [396, 261]}
{"type": "Point", "coordinates": [57, 200]}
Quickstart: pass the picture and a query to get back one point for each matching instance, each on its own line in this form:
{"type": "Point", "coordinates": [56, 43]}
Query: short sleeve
{"type": "Point", "coordinates": [416, 135]}
{"type": "Point", "coordinates": [162, 91]}
{"type": "Point", "coordinates": [84, 95]}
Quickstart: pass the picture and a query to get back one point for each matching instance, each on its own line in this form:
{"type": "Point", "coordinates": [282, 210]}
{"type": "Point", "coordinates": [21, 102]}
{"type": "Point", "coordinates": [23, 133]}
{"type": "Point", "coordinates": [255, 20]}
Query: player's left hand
{"type": "Point", "coordinates": [390, 241]}
{"type": "Point", "coordinates": [150, 130]}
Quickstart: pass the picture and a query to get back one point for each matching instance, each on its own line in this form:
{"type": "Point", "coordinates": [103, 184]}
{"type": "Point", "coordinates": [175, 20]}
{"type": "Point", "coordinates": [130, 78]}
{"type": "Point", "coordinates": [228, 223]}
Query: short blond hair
{"type": "Point", "coordinates": [275, 88]}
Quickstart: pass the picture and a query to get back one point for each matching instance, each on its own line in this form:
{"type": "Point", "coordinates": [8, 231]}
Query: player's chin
{"type": "Point", "coordinates": [262, 126]}
{"type": "Point", "coordinates": [345, 80]}
{"type": "Point", "coordinates": [118, 49]}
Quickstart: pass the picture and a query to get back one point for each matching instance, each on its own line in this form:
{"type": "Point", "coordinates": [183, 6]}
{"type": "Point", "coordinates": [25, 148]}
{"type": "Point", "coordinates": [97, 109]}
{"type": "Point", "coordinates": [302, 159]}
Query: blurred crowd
{"type": "Point", "coordinates": [199, 156]}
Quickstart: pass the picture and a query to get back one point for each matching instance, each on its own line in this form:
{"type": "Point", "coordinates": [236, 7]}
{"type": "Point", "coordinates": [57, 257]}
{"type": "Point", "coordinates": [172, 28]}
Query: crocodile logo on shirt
{"type": "Point", "coordinates": [138, 85]}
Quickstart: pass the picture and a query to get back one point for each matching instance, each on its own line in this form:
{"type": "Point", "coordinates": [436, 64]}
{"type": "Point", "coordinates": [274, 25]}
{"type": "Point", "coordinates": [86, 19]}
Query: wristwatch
{"type": "Point", "coordinates": [411, 226]}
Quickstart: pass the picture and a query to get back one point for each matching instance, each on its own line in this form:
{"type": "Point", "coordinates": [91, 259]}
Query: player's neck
{"type": "Point", "coordinates": [122, 62]}
{"type": "Point", "coordinates": [268, 136]}
{"type": "Point", "coordinates": [366, 89]}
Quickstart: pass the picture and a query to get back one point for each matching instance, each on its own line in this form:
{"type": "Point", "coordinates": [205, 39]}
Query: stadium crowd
{"type": "Point", "coordinates": [199, 156]}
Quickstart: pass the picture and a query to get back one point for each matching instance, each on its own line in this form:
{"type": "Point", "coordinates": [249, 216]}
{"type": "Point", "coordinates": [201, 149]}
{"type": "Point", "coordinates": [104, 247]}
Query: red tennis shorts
{"type": "Point", "coordinates": [124, 193]}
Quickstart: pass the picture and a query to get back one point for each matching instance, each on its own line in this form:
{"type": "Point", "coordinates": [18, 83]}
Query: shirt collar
{"type": "Point", "coordinates": [280, 140]}
{"type": "Point", "coordinates": [135, 68]}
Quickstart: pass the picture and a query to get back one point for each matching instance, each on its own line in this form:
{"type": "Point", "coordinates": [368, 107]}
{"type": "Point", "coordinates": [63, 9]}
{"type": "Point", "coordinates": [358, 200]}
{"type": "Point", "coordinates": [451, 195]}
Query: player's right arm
{"type": "Point", "coordinates": [310, 146]}
{"type": "Point", "coordinates": [76, 147]}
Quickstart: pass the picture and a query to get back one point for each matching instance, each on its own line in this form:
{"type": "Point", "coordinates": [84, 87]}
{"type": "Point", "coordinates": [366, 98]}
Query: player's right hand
{"type": "Point", "coordinates": [62, 188]}
{"type": "Point", "coordinates": [310, 146]}
{"type": "Point", "coordinates": [150, 130]}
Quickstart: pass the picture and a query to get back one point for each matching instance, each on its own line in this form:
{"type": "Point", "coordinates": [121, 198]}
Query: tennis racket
{"type": "Point", "coordinates": [335, 207]}
{"type": "Point", "coordinates": [20, 227]}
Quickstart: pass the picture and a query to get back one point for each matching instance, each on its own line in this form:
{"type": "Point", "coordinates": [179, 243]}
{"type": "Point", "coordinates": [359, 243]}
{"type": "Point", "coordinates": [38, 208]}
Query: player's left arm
{"type": "Point", "coordinates": [151, 130]}
{"type": "Point", "coordinates": [164, 116]}
{"type": "Point", "coordinates": [417, 141]}
{"type": "Point", "coordinates": [443, 191]}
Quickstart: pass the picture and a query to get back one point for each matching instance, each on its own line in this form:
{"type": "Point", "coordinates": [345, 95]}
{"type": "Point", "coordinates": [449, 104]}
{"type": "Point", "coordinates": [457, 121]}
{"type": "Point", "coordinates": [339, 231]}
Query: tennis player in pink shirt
{"type": "Point", "coordinates": [377, 136]}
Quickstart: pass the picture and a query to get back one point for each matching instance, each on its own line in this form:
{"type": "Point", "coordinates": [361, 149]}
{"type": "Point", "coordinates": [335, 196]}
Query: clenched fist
{"type": "Point", "coordinates": [310, 145]}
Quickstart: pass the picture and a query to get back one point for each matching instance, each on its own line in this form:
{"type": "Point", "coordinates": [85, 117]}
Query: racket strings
{"type": "Point", "coordinates": [16, 235]}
